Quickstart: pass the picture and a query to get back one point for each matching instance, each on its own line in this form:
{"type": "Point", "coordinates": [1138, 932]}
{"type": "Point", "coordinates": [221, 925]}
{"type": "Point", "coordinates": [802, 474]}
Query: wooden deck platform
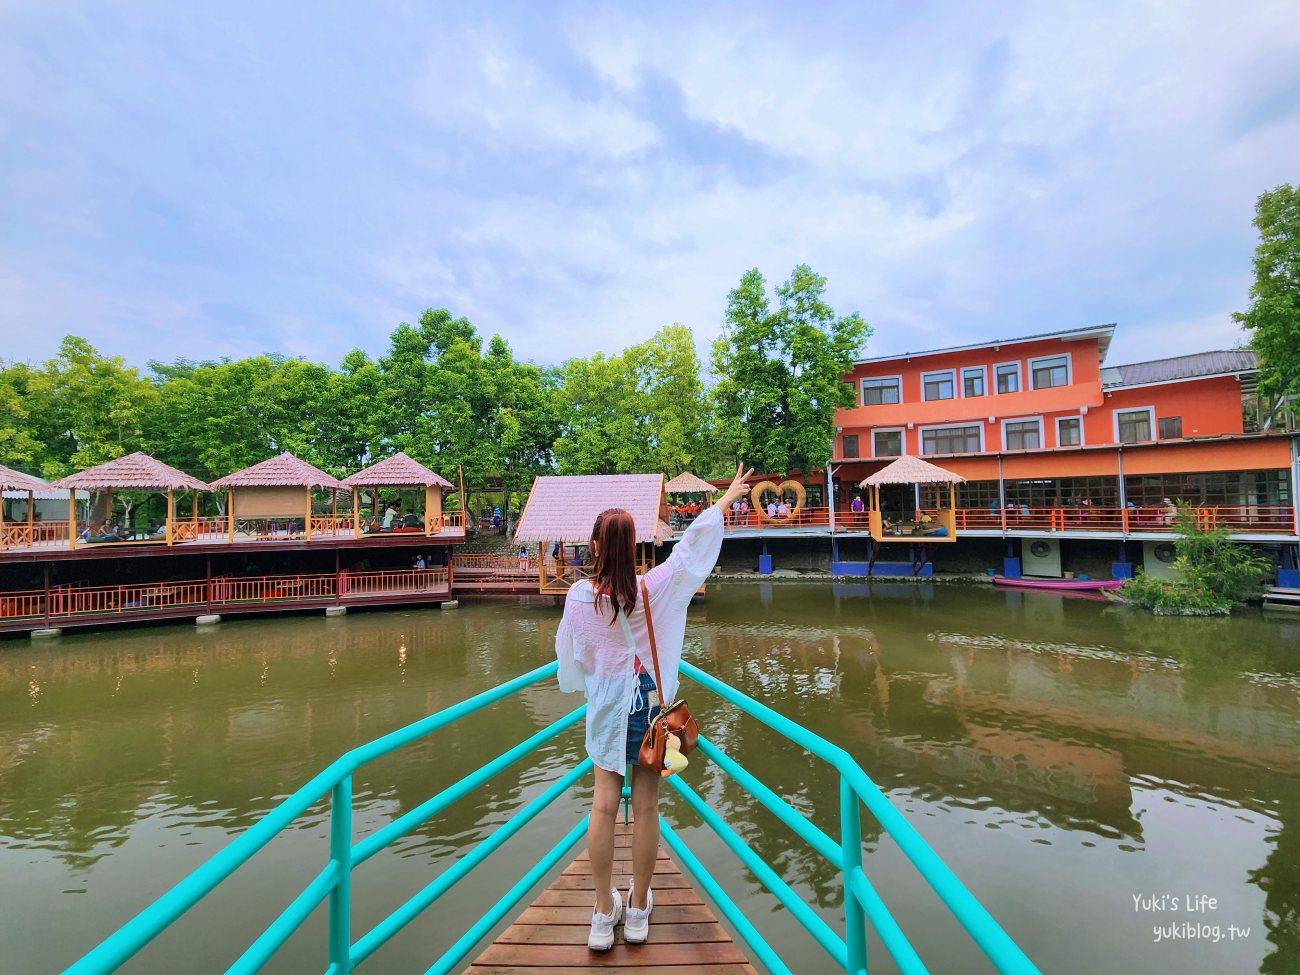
{"type": "Point", "coordinates": [550, 936]}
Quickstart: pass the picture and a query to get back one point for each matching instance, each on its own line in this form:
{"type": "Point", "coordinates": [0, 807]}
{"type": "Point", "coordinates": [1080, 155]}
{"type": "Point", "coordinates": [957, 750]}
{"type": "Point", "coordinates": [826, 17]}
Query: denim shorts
{"type": "Point", "coordinates": [639, 721]}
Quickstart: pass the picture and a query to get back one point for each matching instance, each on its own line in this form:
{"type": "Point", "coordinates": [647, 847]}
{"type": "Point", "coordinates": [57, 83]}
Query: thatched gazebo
{"type": "Point", "coordinates": [913, 470]}
{"type": "Point", "coordinates": [279, 488]}
{"type": "Point", "coordinates": [134, 472]}
{"type": "Point", "coordinates": [400, 471]}
{"type": "Point", "coordinates": [562, 510]}
{"type": "Point", "coordinates": [688, 483]}
{"type": "Point", "coordinates": [23, 533]}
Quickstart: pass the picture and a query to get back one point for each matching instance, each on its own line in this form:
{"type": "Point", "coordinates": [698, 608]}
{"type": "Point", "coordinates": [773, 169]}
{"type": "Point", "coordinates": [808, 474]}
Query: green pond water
{"type": "Point", "coordinates": [1065, 757]}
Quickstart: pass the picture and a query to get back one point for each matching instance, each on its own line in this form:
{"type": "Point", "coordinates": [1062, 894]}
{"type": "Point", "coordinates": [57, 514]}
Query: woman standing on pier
{"type": "Point", "coordinates": [604, 649]}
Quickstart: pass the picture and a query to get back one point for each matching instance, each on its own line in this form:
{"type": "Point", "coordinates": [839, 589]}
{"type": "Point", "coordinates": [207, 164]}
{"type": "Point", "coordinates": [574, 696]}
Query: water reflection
{"type": "Point", "coordinates": [1041, 744]}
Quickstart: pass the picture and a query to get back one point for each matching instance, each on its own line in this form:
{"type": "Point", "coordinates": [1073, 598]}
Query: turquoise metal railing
{"type": "Point", "coordinates": [861, 902]}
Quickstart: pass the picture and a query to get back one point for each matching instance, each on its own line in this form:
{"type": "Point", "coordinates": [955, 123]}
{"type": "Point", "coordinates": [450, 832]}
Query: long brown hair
{"type": "Point", "coordinates": [613, 570]}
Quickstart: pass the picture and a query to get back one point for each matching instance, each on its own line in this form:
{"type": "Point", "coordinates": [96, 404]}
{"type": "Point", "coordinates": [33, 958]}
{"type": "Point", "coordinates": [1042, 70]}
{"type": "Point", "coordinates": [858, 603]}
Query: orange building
{"type": "Point", "coordinates": [1052, 440]}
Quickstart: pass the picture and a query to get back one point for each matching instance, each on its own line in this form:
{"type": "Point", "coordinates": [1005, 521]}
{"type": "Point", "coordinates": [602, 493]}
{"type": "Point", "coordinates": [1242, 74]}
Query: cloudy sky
{"type": "Point", "coordinates": [222, 179]}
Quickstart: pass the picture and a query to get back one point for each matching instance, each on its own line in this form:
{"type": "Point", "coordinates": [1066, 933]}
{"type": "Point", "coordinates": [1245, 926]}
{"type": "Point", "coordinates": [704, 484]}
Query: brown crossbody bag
{"type": "Point", "coordinates": [674, 719]}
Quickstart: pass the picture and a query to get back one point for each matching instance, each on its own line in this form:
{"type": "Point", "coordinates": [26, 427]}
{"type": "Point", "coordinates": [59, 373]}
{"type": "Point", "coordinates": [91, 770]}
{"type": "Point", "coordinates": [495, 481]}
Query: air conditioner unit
{"type": "Point", "coordinates": [1041, 557]}
{"type": "Point", "coordinates": [1158, 559]}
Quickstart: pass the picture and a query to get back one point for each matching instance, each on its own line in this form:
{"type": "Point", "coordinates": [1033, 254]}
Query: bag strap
{"type": "Point", "coordinates": [650, 629]}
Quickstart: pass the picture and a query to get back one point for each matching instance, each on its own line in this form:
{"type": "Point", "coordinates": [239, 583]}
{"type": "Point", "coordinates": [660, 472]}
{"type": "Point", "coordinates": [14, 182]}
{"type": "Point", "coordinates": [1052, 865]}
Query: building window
{"type": "Point", "coordinates": [1053, 371]}
{"type": "Point", "coordinates": [887, 443]}
{"type": "Point", "coordinates": [951, 440]}
{"type": "Point", "coordinates": [1023, 434]}
{"type": "Point", "coordinates": [850, 445]}
{"type": "Point", "coordinates": [1069, 431]}
{"type": "Point", "coordinates": [1171, 427]}
{"type": "Point", "coordinates": [1133, 426]}
{"type": "Point", "coordinates": [972, 381]}
{"type": "Point", "coordinates": [938, 385]}
{"type": "Point", "coordinates": [881, 392]}
{"type": "Point", "coordinates": [1008, 377]}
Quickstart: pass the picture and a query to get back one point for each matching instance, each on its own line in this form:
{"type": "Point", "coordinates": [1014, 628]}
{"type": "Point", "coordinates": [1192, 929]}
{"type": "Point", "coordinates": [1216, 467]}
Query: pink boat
{"type": "Point", "coordinates": [1067, 585]}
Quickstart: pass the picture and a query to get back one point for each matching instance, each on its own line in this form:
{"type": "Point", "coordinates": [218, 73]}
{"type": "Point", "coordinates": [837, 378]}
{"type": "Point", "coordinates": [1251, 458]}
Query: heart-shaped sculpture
{"type": "Point", "coordinates": [771, 487]}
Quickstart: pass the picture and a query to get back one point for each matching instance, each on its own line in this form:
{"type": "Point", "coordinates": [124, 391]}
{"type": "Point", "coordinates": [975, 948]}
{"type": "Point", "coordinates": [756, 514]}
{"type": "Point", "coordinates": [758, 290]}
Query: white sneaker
{"type": "Point", "coordinates": [637, 928]}
{"type": "Point", "coordinates": [602, 925]}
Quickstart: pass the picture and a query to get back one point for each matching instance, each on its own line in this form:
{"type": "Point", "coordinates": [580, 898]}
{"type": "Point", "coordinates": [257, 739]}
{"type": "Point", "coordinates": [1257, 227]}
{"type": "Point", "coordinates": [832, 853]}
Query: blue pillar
{"type": "Point", "coordinates": [764, 561]}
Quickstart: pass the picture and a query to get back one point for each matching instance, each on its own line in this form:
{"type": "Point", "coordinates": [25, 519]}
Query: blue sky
{"type": "Point", "coordinates": [225, 179]}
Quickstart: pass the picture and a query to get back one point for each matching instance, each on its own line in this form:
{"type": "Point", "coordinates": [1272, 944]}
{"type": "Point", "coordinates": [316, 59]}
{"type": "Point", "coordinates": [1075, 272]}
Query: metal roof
{"type": "Point", "coordinates": [1102, 333]}
{"type": "Point", "coordinates": [134, 471]}
{"type": "Point", "coordinates": [1197, 366]}
{"type": "Point", "coordinates": [286, 470]}
{"type": "Point", "coordinates": [563, 509]}
{"type": "Point", "coordinates": [397, 471]}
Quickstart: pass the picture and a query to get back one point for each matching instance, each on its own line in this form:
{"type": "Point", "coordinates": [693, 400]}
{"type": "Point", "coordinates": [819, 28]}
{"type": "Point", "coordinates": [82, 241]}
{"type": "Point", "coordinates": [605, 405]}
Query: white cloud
{"type": "Point", "coordinates": [484, 87]}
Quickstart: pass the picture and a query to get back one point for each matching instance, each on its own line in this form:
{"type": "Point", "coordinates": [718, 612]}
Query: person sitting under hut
{"type": "Point", "coordinates": [390, 515]}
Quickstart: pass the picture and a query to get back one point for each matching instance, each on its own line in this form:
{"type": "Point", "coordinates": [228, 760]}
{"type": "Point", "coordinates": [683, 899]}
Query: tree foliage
{"type": "Point", "coordinates": [1274, 314]}
{"type": "Point", "coordinates": [780, 372]}
{"type": "Point", "coordinates": [443, 395]}
{"type": "Point", "coordinates": [1211, 574]}
{"type": "Point", "coordinates": [644, 410]}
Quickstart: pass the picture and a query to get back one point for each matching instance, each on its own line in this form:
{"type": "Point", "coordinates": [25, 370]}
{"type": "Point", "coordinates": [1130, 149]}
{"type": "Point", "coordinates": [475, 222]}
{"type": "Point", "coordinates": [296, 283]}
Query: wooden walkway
{"type": "Point", "coordinates": [550, 936]}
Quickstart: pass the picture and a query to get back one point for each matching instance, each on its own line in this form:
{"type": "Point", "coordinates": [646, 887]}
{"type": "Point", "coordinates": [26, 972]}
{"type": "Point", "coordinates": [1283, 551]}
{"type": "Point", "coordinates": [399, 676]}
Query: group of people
{"type": "Point", "coordinates": [682, 513]}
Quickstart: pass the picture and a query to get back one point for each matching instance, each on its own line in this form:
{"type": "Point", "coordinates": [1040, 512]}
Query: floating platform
{"type": "Point", "coordinates": [550, 936]}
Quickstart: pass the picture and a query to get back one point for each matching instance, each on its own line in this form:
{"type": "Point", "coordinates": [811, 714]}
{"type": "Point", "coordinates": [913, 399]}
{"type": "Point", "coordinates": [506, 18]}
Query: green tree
{"type": "Point", "coordinates": [1274, 314]}
{"type": "Point", "coordinates": [605, 431]}
{"type": "Point", "coordinates": [780, 372]}
{"type": "Point", "coordinates": [87, 409]}
{"type": "Point", "coordinates": [1211, 574]}
{"type": "Point", "coordinates": [671, 396]}
{"type": "Point", "coordinates": [18, 444]}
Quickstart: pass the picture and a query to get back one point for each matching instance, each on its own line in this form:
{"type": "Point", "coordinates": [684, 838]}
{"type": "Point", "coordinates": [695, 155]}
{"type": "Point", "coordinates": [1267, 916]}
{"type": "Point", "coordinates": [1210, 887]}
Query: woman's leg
{"type": "Point", "coordinates": [600, 835]}
{"type": "Point", "coordinates": [645, 830]}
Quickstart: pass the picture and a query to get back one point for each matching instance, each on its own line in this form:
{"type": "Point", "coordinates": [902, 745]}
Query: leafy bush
{"type": "Point", "coordinates": [1212, 574]}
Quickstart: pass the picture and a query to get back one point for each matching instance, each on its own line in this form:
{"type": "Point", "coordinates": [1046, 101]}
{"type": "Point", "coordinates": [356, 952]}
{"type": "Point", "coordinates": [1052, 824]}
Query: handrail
{"type": "Point", "coordinates": [861, 901]}
{"type": "Point", "coordinates": [336, 778]}
{"type": "Point", "coordinates": [857, 787]}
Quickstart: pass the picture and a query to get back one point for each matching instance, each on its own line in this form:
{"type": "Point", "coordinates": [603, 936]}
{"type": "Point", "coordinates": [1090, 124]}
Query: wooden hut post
{"type": "Point", "coordinates": [108, 507]}
{"type": "Point", "coordinates": [2, 519]}
{"type": "Point", "coordinates": [31, 518]}
{"type": "Point", "coordinates": [194, 511]}
{"type": "Point", "coordinates": [334, 511]}
{"type": "Point", "coordinates": [356, 513]}
{"type": "Point", "coordinates": [171, 510]}
{"type": "Point", "coordinates": [72, 518]}
{"type": "Point", "coordinates": [230, 514]}
{"type": "Point", "coordinates": [307, 523]}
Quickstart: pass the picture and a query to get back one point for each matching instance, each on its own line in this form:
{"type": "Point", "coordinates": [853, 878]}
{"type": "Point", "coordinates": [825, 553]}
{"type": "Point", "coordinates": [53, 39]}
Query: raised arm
{"type": "Point", "coordinates": [695, 555]}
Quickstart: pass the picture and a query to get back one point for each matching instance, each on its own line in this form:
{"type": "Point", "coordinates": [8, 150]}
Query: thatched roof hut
{"type": "Point", "coordinates": [688, 483]}
{"type": "Point", "coordinates": [563, 509]}
{"type": "Point", "coordinates": [285, 470]}
{"type": "Point", "coordinates": [397, 471]}
{"type": "Point", "coordinates": [911, 470]}
{"type": "Point", "coordinates": [138, 472]}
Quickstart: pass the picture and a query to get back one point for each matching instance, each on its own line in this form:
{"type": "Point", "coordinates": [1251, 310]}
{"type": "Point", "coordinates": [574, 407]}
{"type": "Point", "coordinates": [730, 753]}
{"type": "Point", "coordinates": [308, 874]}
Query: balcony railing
{"type": "Point", "coordinates": [72, 602]}
{"type": "Point", "coordinates": [218, 530]}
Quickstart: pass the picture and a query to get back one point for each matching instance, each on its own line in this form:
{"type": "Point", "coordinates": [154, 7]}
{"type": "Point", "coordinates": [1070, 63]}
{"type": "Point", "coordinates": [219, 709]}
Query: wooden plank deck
{"type": "Point", "coordinates": [550, 936]}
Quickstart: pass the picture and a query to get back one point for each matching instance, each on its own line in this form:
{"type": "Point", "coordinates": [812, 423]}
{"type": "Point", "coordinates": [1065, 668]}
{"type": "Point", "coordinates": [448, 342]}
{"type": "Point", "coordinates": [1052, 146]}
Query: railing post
{"type": "Point", "coordinates": [341, 895]}
{"type": "Point", "coordinates": [855, 927]}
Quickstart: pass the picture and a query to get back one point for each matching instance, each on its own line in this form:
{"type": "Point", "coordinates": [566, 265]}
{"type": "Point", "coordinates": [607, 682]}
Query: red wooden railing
{"type": "Point", "coordinates": [65, 602]}
{"type": "Point", "coordinates": [20, 534]}
{"type": "Point", "coordinates": [500, 564]}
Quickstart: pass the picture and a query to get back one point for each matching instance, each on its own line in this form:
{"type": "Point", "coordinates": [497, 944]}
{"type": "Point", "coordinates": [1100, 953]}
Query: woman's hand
{"type": "Point", "coordinates": [738, 486]}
